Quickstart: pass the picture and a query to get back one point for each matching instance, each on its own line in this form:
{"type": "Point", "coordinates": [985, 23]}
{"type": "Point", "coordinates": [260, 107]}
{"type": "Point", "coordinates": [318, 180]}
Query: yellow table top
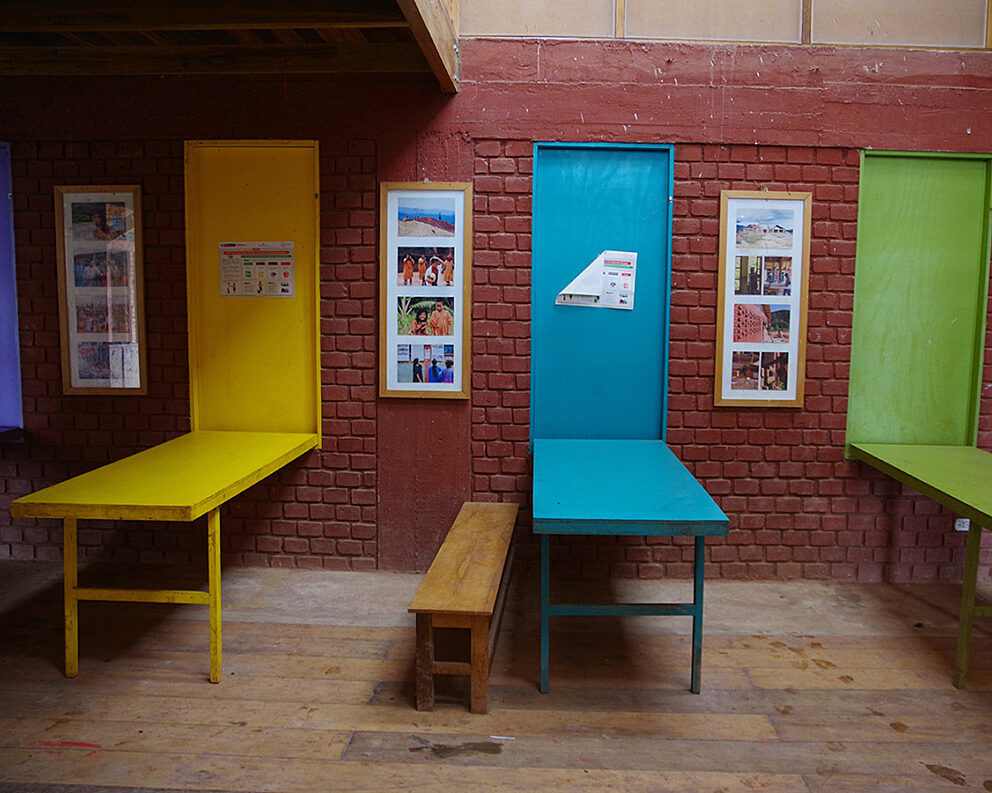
{"type": "Point", "coordinates": [180, 479]}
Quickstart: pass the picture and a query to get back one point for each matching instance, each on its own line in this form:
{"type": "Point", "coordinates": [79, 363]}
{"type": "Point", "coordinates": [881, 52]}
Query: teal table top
{"type": "Point", "coordinates": [618, 487]}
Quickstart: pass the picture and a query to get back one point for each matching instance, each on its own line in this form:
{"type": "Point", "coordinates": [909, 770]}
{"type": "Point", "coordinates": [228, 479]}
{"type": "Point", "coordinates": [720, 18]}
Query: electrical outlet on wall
{"type": "Point", "coordinates": [962, 524]}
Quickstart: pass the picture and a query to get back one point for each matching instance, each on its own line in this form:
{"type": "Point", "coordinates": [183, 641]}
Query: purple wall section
{"type": "Point", "coordinates": [10, 360]}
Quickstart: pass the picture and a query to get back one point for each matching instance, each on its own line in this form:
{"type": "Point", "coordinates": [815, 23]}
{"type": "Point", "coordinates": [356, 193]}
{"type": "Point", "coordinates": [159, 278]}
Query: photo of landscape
{"type": "Point", "coordinates": [760, 228]}
{"type": "Point", "coordinates": [426, 216]}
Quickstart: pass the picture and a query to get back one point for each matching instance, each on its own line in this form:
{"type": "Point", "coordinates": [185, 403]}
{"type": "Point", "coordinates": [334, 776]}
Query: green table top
{"type": "Point", "coordinates": [959, 477]}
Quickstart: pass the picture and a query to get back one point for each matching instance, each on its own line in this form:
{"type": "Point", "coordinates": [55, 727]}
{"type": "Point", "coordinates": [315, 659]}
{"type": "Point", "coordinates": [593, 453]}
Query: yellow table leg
{"type": "Point", "coordinates": [71, 582]}
{"type": "Point", "coordinates": [213, 585]}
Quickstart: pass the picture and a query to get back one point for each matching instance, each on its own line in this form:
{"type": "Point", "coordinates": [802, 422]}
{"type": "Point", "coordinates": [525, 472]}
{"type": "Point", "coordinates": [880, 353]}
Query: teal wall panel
{"type": "Point", "coordinates": [597, 372]}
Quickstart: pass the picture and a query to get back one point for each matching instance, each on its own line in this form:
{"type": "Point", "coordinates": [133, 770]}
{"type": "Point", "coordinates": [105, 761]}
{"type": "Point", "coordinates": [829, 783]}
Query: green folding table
{"type": "Point", "coordinates": [959, 478]}
{"type": "Point", "coordinates": [918, 342]}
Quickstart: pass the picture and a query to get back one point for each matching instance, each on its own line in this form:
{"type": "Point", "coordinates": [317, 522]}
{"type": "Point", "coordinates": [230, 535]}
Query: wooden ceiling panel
{"type": "Point", "coordinates": [64, 37]}
{"type": "Point", "coordinates": [65, 15]}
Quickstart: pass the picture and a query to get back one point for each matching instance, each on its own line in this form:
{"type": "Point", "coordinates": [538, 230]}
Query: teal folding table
{"type": "Point", "coordinates": [619, 487]}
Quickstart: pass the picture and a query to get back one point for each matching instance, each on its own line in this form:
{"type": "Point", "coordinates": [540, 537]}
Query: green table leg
{"type": "Point", "coordinates": [967, 604]}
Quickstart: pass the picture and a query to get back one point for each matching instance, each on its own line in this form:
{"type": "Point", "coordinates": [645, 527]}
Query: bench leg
{"type": "Point", "coordinates": [967, 604]}
{"type": "Point", "coordinates": [425, 662]}
{"type": "Point", "coordinates": [70, 582]}
{"type": "Point", "coordinates": [480, 665]}
{"type": "Point", "coordinates": [213, 585]}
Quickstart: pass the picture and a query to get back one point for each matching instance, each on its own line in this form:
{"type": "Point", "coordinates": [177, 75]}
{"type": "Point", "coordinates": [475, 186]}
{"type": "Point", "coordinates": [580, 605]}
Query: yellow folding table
{"type": "Point", "coordinates": [182, 479]}
{"type": "Point", "coordinates": [254, 364]}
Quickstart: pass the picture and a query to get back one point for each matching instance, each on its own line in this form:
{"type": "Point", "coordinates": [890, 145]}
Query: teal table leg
{"type": "Point", "coordinates": [697, 613]}
{"type": "Point", "coordinates": [545, 608]}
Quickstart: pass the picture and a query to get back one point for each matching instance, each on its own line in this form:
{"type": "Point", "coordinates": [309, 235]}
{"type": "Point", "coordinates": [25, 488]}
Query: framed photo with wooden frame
{"type": "Point", "coordinates": [425, 289]}
{"type": "Point", "coordinates": [101, 292]}
{"type": "Point", "coordinates": [762, 298]}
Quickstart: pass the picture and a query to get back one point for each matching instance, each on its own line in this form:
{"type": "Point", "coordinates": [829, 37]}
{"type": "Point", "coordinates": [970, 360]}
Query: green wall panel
{"type": "Point", "coordinates": [920, 292]}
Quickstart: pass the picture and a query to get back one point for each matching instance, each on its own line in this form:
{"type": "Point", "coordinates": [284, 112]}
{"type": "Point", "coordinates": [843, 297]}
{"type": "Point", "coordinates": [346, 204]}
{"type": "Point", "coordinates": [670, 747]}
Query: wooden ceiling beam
{"type": "Point", "coordinates": [283, 59]}
{"type": "Point", "coordinates": [435, 33]}
{"type": "Point", "coordinates": [288, 36]}
{"type": "Point", "coordinates": [28, 16]}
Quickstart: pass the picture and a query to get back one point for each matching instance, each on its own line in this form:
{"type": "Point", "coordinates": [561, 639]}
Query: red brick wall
{"type": "Point", "coordinates": [501, 320]}
{"type": "Point", "coordinates": [797, 509]}
{"type": "Point", "coordinates": [741, 117]}
{"type": "Point", "coordinates": [779, 474]}
{"type": "Point", "coordinates": [71, 434]}
{"type": "Point", "coordinates": [317, 512]}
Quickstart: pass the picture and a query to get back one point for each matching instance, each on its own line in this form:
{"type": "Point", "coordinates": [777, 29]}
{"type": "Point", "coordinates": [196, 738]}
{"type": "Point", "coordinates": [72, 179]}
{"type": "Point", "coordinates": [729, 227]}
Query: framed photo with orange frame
{"type": "Point", "coordinates": [425, 289]}
{"type": "Point", "coordinates": [101, 303]}
{"type": "Point", "coordinates": [762, 298]}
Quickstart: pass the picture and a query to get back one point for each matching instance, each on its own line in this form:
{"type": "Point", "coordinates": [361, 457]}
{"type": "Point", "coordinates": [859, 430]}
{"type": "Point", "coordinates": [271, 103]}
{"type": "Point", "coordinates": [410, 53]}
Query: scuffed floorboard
{"type": "Point", "coordinates": [807, 688]}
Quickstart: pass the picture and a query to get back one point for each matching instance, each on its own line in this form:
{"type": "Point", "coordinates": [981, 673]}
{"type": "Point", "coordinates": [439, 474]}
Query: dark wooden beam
{"type": "Point", "coordinates": [316, 58]}
{"type": "Point", "coordinates": [26, 16]}
{"type": "Point", "coordinates": [432, 28]}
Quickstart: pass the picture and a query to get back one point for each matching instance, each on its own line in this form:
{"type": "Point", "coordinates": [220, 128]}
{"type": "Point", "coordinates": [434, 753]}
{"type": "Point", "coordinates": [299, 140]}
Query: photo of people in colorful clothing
{"type": "Point", "coordinates": [100, 220]}
{"type": "Point", "coordinates": [94, 314]}
{"type": "Point", "coordinates": [431, 364]}
{"type": "Point", "coordinates": [101, 269]}
{"type": "Point", "coordinates": [94, 360]}
{"type": "Point", "coordinates": [425, 316]}
{"type": "Point", "coordinates": [425, 266]}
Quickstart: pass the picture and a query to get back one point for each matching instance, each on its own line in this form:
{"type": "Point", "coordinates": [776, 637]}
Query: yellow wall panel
{"type": "Point", "coordinates": [921, 23]}
{"type": "Point", "coordinates": [566, 18]}
{"type": "Point", "coordinates": [715, 20]}
{"type": "Point", "coordinates": [254, 361]}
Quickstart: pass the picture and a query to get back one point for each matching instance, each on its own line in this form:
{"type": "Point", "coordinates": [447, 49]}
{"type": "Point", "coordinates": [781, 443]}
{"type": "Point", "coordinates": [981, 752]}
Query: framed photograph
{"type": "Point", "coordinates": [761, 299]}
{"type": "Point", "coordinates": [101, 305]}
{"type": "Point", "coordinates": [425, 289]}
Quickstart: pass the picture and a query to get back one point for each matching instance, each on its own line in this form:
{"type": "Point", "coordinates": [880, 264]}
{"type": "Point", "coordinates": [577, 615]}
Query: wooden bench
{"type": "Point", "coordinates": [959, 478]}
{"type": "Point", "coordinates": [465, 587]}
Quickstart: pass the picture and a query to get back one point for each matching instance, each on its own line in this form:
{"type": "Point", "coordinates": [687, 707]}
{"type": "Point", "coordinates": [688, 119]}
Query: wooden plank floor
{"type": "Point", "coordinates": [840, 688]}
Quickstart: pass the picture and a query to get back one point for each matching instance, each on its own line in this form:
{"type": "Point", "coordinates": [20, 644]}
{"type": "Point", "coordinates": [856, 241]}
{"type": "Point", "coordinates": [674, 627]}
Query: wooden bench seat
{"type": "Point", "coordinates": [465, 587]}
{"type": "Point", "coordinates": [959, 478]}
